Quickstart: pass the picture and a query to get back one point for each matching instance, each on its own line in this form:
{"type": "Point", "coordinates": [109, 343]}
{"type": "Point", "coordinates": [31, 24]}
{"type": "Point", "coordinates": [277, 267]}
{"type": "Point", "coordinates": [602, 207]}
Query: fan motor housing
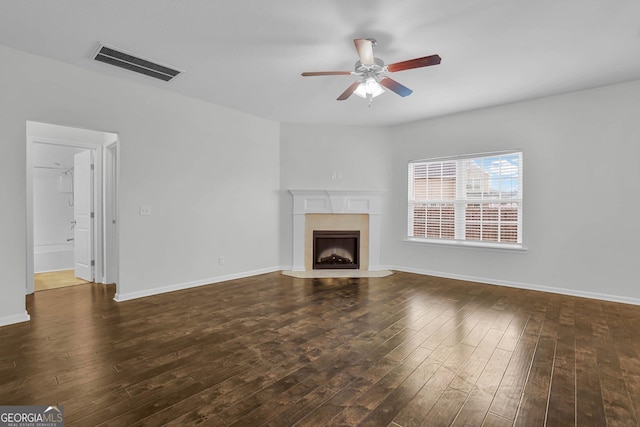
{"type": "Point", "coordinates": [376, 67]}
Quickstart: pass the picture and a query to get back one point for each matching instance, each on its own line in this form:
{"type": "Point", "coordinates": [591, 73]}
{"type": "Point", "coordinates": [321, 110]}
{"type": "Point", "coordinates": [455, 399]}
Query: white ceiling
{"type": "Point", "coordinates": [54, 156]}
{"type": "Point", "coordinates": [248, 54]}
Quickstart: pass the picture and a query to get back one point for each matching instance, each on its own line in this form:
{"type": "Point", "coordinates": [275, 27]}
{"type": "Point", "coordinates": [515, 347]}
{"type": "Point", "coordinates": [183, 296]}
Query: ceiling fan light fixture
{"type": "Point", "coordinates": [372, 72]}
{"type": "Point", "coordinates": [369, 88]}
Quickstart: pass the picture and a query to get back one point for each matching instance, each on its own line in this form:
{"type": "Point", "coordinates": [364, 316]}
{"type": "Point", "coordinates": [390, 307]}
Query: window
{"type": "Point", "coordinates": [473, 199]}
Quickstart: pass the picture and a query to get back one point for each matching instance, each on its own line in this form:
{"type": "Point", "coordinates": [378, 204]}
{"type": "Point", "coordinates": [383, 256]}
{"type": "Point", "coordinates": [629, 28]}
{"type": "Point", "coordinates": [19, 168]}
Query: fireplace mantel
{"type": "Point", "coordinates": [336, 202]}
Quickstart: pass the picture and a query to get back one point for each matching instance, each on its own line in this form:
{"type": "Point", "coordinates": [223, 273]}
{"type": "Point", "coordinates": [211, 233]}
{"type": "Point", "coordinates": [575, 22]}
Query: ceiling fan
{"type": "Point", "coordinates": [372, 72]}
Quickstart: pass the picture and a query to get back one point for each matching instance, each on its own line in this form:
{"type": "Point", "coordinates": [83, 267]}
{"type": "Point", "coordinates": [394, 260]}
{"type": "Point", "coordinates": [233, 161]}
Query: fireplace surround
{"type": "Point", "coordinates": [337, 210]}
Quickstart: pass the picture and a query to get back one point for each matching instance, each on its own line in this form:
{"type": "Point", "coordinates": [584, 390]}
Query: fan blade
{"type": "Point", "coordinates": [326, 73]}
{"type": "Point", "coordinates": [396, 87]}
{"type": "Point", "coordinates": [365, 51]}
{"type": "Point", "coordinates": [347, 93]}
{"type": "Point", "coordinates": [414, 63]}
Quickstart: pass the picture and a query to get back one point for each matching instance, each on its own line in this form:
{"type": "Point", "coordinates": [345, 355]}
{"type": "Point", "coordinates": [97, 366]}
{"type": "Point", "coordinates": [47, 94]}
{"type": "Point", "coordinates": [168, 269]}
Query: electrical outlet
{"type": "Point", "coordinates": [220, 260]}
{"type": "Point", "coordinates": [145, 210]}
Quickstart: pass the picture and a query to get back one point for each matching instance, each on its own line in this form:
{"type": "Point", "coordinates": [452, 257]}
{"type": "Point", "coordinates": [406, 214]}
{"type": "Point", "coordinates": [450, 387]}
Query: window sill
{"type": "Point", "coordinates": [500, 247]}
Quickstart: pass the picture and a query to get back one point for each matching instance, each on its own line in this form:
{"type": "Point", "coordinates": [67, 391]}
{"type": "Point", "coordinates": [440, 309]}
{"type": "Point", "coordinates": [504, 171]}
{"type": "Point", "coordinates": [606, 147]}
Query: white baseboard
{"type": "Point", "coordinates": [520, 285]}
{"type": "Point", "coordinates": [53, 271]}
{"type": "Point", "coordinates": [16, 318]}
{"type": "Point", "coordinates": [119, 297]}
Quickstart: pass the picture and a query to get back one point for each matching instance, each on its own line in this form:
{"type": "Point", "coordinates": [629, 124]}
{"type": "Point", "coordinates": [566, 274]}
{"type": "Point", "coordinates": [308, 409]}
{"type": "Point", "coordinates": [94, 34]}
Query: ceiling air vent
{"type": "Point", "coordinates": [119, 58]}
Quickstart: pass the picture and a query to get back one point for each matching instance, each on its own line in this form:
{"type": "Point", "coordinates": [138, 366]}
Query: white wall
{"type": "Point", "coordinates": [217, 179]}
{"type": "Point", "coordinates": [68, 134]}
{"type": "Point", "coordinates": [52, 216]}
{"type": "Point", "coordinates": [581, 182]}
{"type": "Point", "coordinates": [206, 171]}
{"type": "Point", "coordinates": [52, 211]}
{"type": "Point", "coordinates": [311, 155]}
{"type": "Point", "coordinates": [581, 173]}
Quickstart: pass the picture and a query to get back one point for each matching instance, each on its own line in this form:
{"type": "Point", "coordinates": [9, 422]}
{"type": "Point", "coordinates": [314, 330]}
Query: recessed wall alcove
{"type": "Point", "coordinates": [336, 211]}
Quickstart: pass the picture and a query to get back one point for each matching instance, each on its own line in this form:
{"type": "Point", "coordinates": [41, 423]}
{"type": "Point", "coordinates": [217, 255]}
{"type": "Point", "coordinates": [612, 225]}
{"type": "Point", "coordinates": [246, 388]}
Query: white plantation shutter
{"type": "Point", "coordinates": [475, 198]}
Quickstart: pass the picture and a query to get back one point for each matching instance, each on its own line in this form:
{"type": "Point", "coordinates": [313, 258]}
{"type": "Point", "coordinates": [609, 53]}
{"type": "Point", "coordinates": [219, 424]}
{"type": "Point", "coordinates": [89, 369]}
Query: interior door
{"type": "Point", "coordinates": [83, 214]}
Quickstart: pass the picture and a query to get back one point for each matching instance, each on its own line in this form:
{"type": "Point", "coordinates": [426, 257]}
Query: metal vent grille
{"type": "Point", "coordinates": [119, 58]}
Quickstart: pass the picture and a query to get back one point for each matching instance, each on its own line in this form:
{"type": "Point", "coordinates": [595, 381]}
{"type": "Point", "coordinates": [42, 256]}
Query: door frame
{"type": "Point", "coordinates": [100, 192]}
{"type": "Point", "coordinates": [111, 220]}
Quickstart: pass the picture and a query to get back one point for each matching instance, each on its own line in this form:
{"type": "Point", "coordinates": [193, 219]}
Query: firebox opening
{"type": "Point", "coordinates": [336, 249]}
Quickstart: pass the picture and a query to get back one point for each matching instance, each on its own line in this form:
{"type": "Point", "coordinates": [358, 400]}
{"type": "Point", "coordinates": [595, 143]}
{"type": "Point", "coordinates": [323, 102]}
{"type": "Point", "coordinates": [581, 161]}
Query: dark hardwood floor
{"type": "Point", "coordinates": [404, 350]}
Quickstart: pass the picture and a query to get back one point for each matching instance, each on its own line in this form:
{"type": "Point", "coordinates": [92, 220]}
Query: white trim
{"type": "Point", "coordinates": [468, 244]}
{"type": "Point", "coordinates": [337, 202]}
{"type": "Point", "coordinates": [461, 200]}
{"type": "Point", "coordinates": [481, 280]}
{"type": "Point", "coordinates": [96, 149]}
{"type": "Point", "coordinates": [520, 285]}
{"type": "Point", "coordinates": [30, 256]}
{"type": "Point", "coordinates": [194, 284]}
{"type": "Point", "coordinates": [100, 204]}
{"type": "Point", "coordinates": [52, 271]}
{"type": "Point", "coordinates": [467, 156]}
{"type": "Point", "coordinates": [111, 228]}
{"type": "Point", "coordinates": [16, 318]}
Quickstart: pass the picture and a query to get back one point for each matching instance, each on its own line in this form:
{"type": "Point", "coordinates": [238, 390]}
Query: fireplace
{"type": "Point", "coordinates": [336, 249]}
{"type": "Point", "coordinates": [339, 210]}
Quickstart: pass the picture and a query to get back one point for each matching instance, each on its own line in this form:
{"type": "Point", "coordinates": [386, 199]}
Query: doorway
{"type": "Point", "coordinates": [47, 280]}
{"type": "Point", "coordinates": [71, 193]}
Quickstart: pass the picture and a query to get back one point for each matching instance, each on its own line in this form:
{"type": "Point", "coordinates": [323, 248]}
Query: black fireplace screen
{"type": "Point", "coordinates": [336, 249]}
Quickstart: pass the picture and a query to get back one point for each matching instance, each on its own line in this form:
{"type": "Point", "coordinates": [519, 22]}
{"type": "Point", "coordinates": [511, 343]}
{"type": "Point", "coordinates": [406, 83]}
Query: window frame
{"type": "Point", "coordinates": [461, 201]}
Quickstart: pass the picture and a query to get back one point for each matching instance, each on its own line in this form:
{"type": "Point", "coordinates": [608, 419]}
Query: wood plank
{"type": "Point", "coordinates": [56, 279]}
{"type": "Point", "coordinates": [415, 412]}
{"type": "Point", "coordinates": [403, 350]}
{"type": "Point", "coordinates": [366, 402]}
{"type": "Point", "coordinates": [589, 404]}
{"type": "Point", "coordinates": [562, 403]}
{"type": "Point", "coordinates": [618, 407]}
{"type": "Point", "coordinates": [507, 398]}
{"type": "Point", "coordinates": [493, 420]}
{"type": "Point", "coordinates": [446, 408]}
{"type": "Point", "coordinates": [386, 411]}
{"type": "Point", "coordinates": [476, 407]}
{"type": "Point", "coordinates": [536, 392]}
{"type": "Point", "coordinates": [473, 368]}
{"type": "Point", "coordinates": [623, 327]}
